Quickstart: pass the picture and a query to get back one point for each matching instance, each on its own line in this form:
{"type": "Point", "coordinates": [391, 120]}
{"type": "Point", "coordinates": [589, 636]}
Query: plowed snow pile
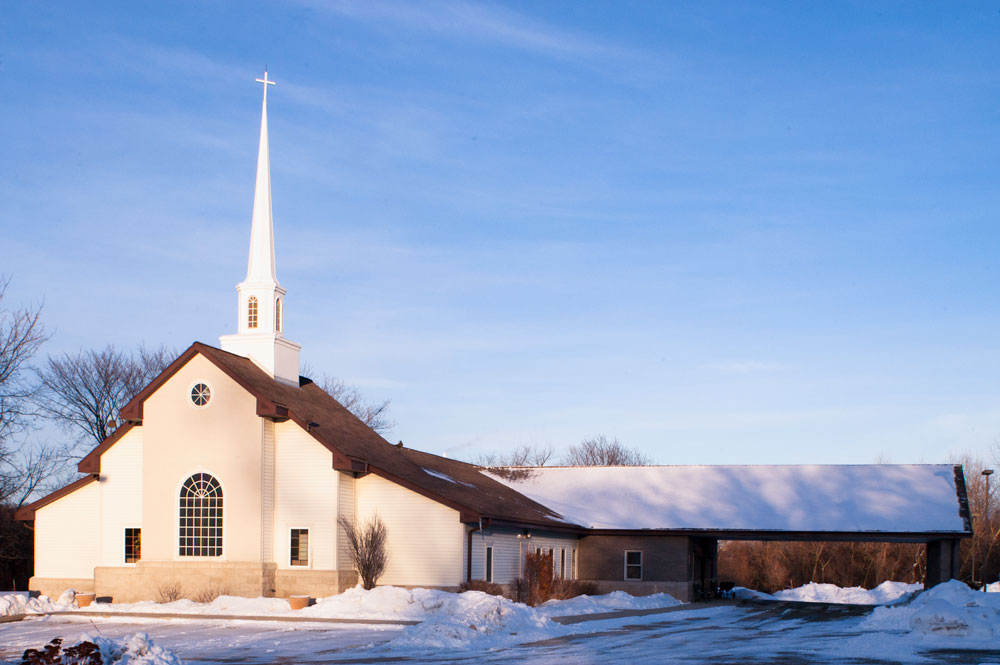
{"type": "Point", "coordinates": [883, 594]}
{"type": "Point", "coordinates": [135, 649]}
{"type": "Point", "coordinates": [951, 608]}
{"type": "Point", "coordinates": [19, 603]}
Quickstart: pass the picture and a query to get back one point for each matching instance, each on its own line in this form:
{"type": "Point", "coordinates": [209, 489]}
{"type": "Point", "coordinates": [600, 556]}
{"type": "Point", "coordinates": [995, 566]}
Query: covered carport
{"type": "Point", "coordinates": [674, 516]}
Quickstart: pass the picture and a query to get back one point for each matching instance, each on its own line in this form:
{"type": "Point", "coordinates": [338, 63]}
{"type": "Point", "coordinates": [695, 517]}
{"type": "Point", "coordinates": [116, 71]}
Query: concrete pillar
{"type": "Point", "coordinates": [943, 561]}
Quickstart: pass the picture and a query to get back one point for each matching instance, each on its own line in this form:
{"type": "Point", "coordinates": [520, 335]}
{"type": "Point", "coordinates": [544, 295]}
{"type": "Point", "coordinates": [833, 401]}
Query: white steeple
{"type": "Point", "coordinates": [261, 307]}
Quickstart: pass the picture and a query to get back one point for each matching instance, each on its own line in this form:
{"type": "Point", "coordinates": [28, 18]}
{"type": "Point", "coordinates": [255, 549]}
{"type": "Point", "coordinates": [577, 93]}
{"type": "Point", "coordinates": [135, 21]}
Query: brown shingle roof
{"type": "Point", "coordinates": [354, 445]}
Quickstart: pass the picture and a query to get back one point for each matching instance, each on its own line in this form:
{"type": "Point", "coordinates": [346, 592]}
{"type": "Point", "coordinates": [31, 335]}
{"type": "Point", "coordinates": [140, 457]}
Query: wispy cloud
{"type": "Point", "coordinates": [744, 366]}
{"type": "Point", "coordinates": [471, 22]}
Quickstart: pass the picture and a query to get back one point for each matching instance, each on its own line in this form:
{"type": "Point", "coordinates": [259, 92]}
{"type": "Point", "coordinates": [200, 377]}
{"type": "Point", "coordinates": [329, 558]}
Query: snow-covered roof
{"type": "Point", "coordinates": [858, 498]}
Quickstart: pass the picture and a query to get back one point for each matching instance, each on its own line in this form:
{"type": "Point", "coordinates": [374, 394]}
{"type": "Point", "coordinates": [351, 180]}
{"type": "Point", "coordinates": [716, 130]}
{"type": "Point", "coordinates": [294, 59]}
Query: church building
{"type": "Point", "coordinates": [230, 472]}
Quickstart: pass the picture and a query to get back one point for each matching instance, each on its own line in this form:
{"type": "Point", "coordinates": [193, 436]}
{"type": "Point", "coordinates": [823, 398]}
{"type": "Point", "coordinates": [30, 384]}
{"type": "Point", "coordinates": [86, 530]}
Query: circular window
{"type": "Point", "coordinates": [201, 394]}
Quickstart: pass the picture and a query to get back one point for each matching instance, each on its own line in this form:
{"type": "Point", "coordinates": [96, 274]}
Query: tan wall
{"type": "Point", "coordinates": [664, 558]}
{"type": "Point", "coordinates": [54, 586]}
{"type": "Point", "coordinates": [223, 439]}
{"type": "Point", "coordinates": [305, 497]}
{"type": "Point", "coordinates": [68, 535]}
{"type": "Point", "coordinates": [151, 580]}
{"type": "Point", "coordinates": [314, 583]}
{"type": "Point", "coordinates": [425, 537]}
{"type": "Point", "coordinates": [121, 495]}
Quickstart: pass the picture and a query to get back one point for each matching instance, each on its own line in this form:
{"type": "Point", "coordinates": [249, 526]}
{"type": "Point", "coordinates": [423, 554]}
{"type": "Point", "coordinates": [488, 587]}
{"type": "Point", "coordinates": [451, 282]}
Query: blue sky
{"type": "Point", "coordinates": [724, 233]}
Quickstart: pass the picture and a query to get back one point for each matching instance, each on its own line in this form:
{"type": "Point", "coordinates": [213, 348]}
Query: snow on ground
{"type": "Point", "coordinates": [19, 602]}
{"type": "Point", "coordinates": [137, 649]}
{"type": "Point", "coordinates": [616, 600]}
{"type": "Point", "coordinates": [883, 594]}
{"type": "Point", "coordinates": [949, 609]}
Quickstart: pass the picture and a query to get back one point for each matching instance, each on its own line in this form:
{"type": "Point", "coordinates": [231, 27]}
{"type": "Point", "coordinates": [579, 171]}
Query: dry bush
{"type": "Point", "coordinates": [168, 592]}
{"type": "Point", "coordinates": [536, 584]}
{"type": "Point", "coordinates": [772, 566]}
{"type": "Point", "coordinates": [566, 589]}
{"type": "Point", "coordinates": [209, 593]}
{"type": "Point", "coordinates": [481, 585]}
{"type": "Point", "coordinates": [84, 653]}
{"type": "Point", "coordinates": [369, 548]}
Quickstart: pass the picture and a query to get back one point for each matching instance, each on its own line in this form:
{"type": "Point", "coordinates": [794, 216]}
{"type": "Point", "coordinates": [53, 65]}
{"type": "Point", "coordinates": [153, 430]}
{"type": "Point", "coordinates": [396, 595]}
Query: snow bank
{"type": "Point", "coordinates": [135, 649]}
{"type": "Point", "coordinates": [19, 602]}
{"type": "Point", "coordinates": [884, 593]}
{"type": "Point", "coordinates": [616, 600]}
{"type": "Point", "coordinates": [993, 588]}
{"type": "Point", "coordinates": [949, 609]}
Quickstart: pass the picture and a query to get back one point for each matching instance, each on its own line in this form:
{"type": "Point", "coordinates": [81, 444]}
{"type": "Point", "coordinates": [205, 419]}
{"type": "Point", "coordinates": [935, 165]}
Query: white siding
{"type": "Point", "coordinates": [65, 545]}
{"type": "Point", "coordinates": [345, 507]}
{"type": "Point", "coordinates": [121, 495]}
{"type": "Point", "coordinates": [509, 551]}
{"type": "Point", "coordinates": [305, 496]}
{"type": "Point", "coordinates": [267, 492]}
{"type": "Point", "coordinates": [425, 537]}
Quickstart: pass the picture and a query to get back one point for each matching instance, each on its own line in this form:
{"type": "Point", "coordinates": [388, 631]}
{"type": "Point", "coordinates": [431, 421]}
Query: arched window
{"type": "Point", "coordinates": [200, 532]}
{"type": "Point", "coordinates": [277, 315]}
{"type": "Point", "coordinates": [252, 312]}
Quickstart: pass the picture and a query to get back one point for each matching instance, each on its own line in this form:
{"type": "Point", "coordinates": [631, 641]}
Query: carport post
{"type": "Point", "coordinates": [943, 561]}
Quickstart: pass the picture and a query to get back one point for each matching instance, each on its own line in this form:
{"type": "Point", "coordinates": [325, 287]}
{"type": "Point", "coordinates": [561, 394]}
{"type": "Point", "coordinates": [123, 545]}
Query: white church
{"type": "Point", "coordinates": [230, 471]}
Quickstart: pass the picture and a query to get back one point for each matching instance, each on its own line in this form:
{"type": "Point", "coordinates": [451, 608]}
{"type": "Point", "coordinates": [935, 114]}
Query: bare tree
{"type": "Point", "coordinates": [21, 335]}
{"type": "Point", "coordinates": [602, 451]}
{"type": "Point", "coordinates": [526, 455]}
{"type": "Point", "coordinates": [373, 414]}
{"type": "Point", "coordinates": [369, 548]}
{"type": "Point", "coordinates": [85, 392]}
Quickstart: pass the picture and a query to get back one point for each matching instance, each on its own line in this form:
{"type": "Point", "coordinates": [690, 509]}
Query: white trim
{"type": "Point", "coordinates": [124, 540]}
{"type": "Point", "coordinates": [309, 555]}
{"type": "Point", "coordinates": [625, 565]}
{"type": "Point", "coordinates": [211, 394]}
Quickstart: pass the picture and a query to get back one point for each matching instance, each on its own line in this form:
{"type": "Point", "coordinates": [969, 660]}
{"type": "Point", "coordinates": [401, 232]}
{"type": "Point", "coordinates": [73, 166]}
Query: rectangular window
{"type": "Point", "coordinates": [133, 545]}
{"type": "Point", "coordinates": [562, 563]}
{"type": "Point", "coordinates": [633, 565]}
{"type": "Point", "coordinates": [299, 549]}
{"type": "Point", "coordinates": [489, 564]}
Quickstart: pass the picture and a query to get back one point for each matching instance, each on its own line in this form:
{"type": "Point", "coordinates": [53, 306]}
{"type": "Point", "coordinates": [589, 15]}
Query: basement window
{"type": "Point", "coordinates": [299, 548]}
{"type": "Point", "coordinates": [633, 565]}
{"type": "Point", "coordinates": [133, 545]}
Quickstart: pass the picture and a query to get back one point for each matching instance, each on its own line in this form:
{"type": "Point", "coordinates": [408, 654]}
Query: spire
{"type": "Point", "coordinates": [260, 267]}
{"type": "Point", "coordinates": [260, 328]}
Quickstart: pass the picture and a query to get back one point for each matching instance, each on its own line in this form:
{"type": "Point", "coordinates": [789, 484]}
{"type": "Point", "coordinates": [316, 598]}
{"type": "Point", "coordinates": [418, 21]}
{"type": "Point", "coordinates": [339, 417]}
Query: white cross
{"type": "Point", "coordinates": [265, 82]}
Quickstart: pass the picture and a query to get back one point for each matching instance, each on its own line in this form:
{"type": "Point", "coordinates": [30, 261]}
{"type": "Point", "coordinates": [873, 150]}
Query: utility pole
{"type": "Point", "coordinates": [989, 530]}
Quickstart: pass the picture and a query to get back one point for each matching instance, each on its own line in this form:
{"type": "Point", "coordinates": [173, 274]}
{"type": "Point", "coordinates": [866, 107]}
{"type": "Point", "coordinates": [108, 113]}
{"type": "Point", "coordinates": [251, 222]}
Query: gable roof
{"type": "Point", "coordinates": [917, 501]}
{"type": "Point", "coordinates": [27, 511]}
{"type": "Point", "coordinates": [354, 445]}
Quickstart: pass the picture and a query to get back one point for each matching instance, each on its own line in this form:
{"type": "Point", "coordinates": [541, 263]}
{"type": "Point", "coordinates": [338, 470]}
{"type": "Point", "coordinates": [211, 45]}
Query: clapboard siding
{"type": "Point", "coordinates": [425, 537]}
{"type": "Point", "coordinates": [346, 508]}
{"type": "Point", "coordinates": [509, 550]}
{"type": "Point", "coordinates": [305, 496]}
{"type": "Point", "coordinates": [267, 492]}
{"type": "Point", "coordinates": [65, 546]}
{"type": "Point", "coordinates": [120, 495]}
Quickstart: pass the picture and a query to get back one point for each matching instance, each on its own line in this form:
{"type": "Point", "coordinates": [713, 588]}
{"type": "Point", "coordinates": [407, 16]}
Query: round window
{"type": "Point", "coordinates": [201, 394]}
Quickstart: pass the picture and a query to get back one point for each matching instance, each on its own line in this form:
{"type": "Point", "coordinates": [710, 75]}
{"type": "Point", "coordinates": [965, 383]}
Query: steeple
{"type": "Point", "coordinates": [261, 301]}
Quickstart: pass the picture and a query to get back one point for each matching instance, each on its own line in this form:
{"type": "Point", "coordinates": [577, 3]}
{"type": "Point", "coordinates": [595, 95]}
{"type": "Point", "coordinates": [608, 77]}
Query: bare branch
{"type": "Point", "coordinates": [602, 451]}
{"type": "Point", "coordinates": [369, 548]}
{"type": "Point", "coordinates": [373, 414]}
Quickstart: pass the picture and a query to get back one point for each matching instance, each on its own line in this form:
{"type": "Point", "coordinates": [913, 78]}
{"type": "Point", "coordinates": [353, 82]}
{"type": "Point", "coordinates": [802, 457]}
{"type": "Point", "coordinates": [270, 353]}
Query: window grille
{"type": "Point", "coordinates": [200, 531]}
{"type": "Point", "coordinates": [277, 315]}
{"type": "Point", "coordinates": [252, 312]}
{"type": "Point", "coordinates": [299, 548]}
{"type": "Point", "coordinates": [133, 545]}
{"type": "Point", "coordinates": [633, 565]}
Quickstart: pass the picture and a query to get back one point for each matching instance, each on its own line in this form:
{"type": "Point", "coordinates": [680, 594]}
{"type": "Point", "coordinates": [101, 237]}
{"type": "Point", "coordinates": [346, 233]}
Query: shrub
{"type": "Point", "coordinates": [565, 589]}
{"type": "Point", "coordinates": [210, 593]}
{"type": "Point", "coordinates": [535, 586]}
{"type": "Point", "coordinates": [168, 592]}
{"type": "Point", "coordinates": [482, 585]}
{"type": "Point", "coordinates": [369, 548]}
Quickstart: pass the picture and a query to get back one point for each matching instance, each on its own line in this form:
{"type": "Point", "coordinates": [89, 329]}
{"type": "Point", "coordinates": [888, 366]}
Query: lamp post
{"type": "Point", "coordinates": [986, 514]}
